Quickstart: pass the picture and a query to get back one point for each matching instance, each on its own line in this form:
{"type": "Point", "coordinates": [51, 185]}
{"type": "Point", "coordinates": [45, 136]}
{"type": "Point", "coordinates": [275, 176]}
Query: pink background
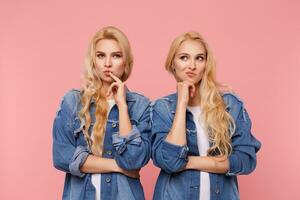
{"type": "Point", "coordinates": [42, 46]}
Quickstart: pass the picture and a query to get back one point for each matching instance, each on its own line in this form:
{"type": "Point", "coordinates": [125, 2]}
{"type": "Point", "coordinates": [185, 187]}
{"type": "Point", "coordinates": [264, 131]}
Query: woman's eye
{"type": "Point", "coordinates": [117, 56]}
{"type": "Point", "coordinates": [184, 58]}
{"type": "Point", "coordinates": [200, 58]}
{"type": "Point", "coordinates": [100, 55]}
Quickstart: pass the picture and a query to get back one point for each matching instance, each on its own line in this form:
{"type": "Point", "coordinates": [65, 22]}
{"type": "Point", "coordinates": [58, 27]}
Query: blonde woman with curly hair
{"type": "Point", "coordinates": [201, 137]}
{"type": "Point", "coordinates": [100, 133]}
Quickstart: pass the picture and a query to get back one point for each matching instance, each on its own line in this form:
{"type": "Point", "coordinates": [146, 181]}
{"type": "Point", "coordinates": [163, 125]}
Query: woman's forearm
{"type": "Point", "coordinates": [177, 134]}
{"type": "Point", "coordinates": [125, 126]}
{"type": "Point", "coordinates": [219, 165]}
{"type": "Point", "coordinates": [95, 164]}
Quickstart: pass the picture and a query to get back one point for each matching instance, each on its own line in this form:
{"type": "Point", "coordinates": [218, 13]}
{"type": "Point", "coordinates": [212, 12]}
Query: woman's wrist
{"type": "Point", "coordinates": [122, 105]}
{"type": "Point", "coordinates": [189, 164]}
{"type": "Point", "coordinates": [115, 168]}
{"type": "Point", "coordinates": [182, 103]}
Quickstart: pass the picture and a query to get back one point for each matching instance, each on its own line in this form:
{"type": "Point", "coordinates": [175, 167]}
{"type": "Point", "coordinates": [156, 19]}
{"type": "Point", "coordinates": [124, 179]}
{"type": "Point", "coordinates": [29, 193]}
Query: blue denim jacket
{"type": "Point", "coordinates": [173, 184]}
{"type": "Point", "coordinates": [70, 149]}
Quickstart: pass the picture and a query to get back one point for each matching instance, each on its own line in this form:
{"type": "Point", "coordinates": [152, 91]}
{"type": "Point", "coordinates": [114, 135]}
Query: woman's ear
{"type": "Point", "coordinates": [173, 70]}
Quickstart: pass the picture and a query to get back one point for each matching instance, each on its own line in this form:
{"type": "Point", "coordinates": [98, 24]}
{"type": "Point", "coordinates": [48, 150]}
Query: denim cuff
{"type": "Point", "coordinates": [234, 165]}
{"type": "Point", "coordinates": [120, 142]}
{"type": "Point", "coordinates": [79, 157]}
{"type": "Point", "coordinates": [181, 151]}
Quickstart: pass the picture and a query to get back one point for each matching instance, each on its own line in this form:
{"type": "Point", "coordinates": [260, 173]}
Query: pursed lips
{"type": "Point", "coordinates": [107, 73]}
{"type": "Point", "coordinates": [190, 74]}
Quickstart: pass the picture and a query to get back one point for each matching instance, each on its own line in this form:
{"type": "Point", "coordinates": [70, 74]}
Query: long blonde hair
{"type": "Point", "coordinates": [92, 87]}
{"type": "Point", "coordinates": [218, 122]}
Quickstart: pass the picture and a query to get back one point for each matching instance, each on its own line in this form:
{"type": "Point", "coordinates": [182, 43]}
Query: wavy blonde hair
{"type": "Point", "coordinates": [92, 87]}
{"type": "Point", "coordinates": [218, 122]}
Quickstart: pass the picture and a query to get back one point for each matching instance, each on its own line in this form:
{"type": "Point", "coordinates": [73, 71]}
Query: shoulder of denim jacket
{"type": "Point", "coordinates": [234, 103]}
{"type": "Point", "coordinates": [229, 97]}
{"type": "Point", "coordinates": [69, 100]}
{"type": "Point", "coordinates": [156, 101]}
{"type": "Point", "coordinates": [168, 98]}
{"type": "Point", "coordinates": [162, 104]}
{"type": "Point", "coordinates": [140, 104]}
{"type": "Point", "coordinates": [160, 107]}
{"type": "Point", "coordinates": [72, 96]}
{"type": "Point", "coordinates": [135, 96]}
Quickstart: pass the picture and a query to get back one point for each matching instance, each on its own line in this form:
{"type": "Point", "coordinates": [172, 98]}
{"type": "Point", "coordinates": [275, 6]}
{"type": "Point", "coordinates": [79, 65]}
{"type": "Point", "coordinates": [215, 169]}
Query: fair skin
{"type": "Point", "coordinates": [188, 67]}
{"type": "Point", "coordinates": [110, 65]}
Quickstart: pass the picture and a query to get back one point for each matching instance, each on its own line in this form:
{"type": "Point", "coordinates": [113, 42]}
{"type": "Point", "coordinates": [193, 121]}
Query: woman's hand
{"type": "Point", "coordinates": [131, 173]}
{"type": "Point", "coordinates": [118, 89]}
{"type": "Point", "coordinates": [185, 90]}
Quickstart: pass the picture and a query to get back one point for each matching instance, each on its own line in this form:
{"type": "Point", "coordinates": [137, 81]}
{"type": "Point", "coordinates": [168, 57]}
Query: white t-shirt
{"type": "Point", "coordinates": [96, 178]}
{"type": "Point", "coordinates": [203, 146]}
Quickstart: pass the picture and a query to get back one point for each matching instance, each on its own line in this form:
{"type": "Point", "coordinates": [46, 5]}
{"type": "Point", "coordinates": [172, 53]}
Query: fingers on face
{"type": "Point", "coordinates": [115, 78]}
{"type": "Point", "coordinates": [112, 87]}
{"type": "Point", "coordinates": [191, 88]}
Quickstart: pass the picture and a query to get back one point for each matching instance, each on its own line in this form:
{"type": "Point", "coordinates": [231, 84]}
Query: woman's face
{"type": "Point", "coordinates": [189, 61]}
{"type": "Point", "coordinates": [109, 58]}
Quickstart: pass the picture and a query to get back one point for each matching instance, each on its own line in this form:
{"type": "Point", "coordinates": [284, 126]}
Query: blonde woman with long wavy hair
{"type": "Point", "coordinates": [100, 133]}
{"type": "Point", "coordinates": [201, 137]}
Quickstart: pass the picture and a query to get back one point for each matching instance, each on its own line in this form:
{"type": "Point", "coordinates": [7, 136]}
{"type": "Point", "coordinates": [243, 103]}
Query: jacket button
{"type": "Point", "coordinates": [217, 191]}
{"type": "Point", "coordinates": [113, 125]}
{"type": "Point", "coordinates": [109, 152]}
{"type": "Point", "coordinates": [107, 180]}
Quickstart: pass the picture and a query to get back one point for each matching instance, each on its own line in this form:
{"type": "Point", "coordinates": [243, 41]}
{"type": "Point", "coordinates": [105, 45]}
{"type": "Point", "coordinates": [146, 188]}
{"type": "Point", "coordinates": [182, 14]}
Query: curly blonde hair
{"type": "Point", "coordinates": [218, 122]}
{"type": "Point", "coordinates": [92, 87]}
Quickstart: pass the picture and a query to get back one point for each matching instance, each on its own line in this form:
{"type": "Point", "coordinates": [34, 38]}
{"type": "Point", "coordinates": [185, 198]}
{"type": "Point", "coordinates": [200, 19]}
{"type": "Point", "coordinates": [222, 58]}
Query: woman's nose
{"type": "Point", "coordinates": [108, 62]}
{"type": "Point", "coordinates": [192, 65]}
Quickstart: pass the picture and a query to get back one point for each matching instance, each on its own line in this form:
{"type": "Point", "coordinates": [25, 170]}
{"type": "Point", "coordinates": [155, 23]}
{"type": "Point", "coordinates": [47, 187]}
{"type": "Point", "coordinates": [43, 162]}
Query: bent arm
{"type": "Point", "coordinates": [124, 120]}
{"type": "Point", "coordinates": [167, 154]}
{"type": "Point", "coordinates": [242, 159]}
{"type": "Point", "coordinates": [96, 164]}
{"type": "Point", "coordinates": [177, 134]}
{"type": "Point", "coordinates": [133, 150]}
{"type": "Point", "coordinates": [218, 165]}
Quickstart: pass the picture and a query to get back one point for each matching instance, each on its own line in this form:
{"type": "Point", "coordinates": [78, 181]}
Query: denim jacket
{"type": "Point", "coordinates": [173, 184]}
{"type": "Point", "coordinates": [70, 150]}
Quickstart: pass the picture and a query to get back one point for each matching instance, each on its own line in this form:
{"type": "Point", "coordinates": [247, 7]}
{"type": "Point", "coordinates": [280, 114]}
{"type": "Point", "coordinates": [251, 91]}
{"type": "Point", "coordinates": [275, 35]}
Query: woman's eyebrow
{"type": "Point", "coordinates": [115, 52]}
{"type": "Point", "coordinates": [182, 53]}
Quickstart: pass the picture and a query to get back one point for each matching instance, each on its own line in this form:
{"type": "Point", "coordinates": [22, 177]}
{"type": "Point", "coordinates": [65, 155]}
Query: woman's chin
{"type": "Point", "coordinates": [107, 80]}
{"type": "Point", "coordinates": [191, 80]}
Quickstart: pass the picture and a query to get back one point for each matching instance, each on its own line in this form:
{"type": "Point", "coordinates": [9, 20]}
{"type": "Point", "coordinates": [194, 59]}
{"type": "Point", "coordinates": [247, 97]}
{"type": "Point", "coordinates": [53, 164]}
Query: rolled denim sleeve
{"type": "Point", "coordinates": [66, 156]}
{"type": "Point", "coordinates": [120, 142]}
{"type": "Point", "coordinates": [134, 150]}
{"type": "Point", "coordinates": [243, 159]}
{"type": "Point", "coordinates": [80, 155]}
{"type": "Point", "coordinates": [169, 157]}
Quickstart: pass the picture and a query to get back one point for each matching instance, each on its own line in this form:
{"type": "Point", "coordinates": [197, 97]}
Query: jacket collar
{"type": "Point", "coordinates": [172, 98]}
